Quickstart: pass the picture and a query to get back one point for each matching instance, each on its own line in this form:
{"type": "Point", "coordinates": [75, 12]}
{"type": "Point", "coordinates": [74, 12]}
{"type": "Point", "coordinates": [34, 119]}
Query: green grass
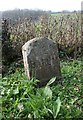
{"type": "Point", "coordinates": [64, 14]}
{"type": "Point", "coordinates": [21, 99]}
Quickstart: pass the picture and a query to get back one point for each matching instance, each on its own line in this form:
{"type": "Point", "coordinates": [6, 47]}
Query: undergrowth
{"type": "Point", "coordinates": [21, 99]}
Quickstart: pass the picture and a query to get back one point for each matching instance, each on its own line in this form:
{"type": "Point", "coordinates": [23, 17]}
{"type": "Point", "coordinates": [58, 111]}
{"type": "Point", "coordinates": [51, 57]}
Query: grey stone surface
{"type": "Point", "coordinates": [41, 60]}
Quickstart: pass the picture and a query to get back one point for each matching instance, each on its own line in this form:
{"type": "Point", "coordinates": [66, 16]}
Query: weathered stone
{"type": "Point", "coordinates": [40, 56]}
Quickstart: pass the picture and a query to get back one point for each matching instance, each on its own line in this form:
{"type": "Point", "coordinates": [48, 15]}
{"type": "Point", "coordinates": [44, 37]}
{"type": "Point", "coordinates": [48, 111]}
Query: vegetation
{"type": "Point", "coordinates": [22, 99]}
{"type": "Point", "coordinates": [65, 29]}
{"type": "Point", "coordinates": [17, 14]}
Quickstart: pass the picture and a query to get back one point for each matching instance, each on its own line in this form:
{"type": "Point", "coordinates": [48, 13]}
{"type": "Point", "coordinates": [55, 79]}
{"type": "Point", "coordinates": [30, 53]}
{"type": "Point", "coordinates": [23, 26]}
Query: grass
{"type": "Point", "coordinates": [63, 14]}
{"type": "Point", "coordinates": [22, 100]}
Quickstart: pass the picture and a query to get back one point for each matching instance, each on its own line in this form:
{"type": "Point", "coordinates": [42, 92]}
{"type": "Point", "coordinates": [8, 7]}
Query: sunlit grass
{"type": "Point", "coordinates": [22, 99]}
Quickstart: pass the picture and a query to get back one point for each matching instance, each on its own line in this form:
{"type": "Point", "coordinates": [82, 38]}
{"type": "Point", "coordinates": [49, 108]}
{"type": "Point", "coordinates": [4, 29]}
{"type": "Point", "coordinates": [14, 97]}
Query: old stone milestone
{"type": "Point", "coordinates": [41, 60]}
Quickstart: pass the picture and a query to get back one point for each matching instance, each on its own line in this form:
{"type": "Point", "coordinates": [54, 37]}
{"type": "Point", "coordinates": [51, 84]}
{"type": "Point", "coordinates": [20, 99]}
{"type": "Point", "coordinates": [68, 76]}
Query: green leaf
{"type": "Point", "coordinates": [1, 116]}
{"type": "Point", "coordinates": [3, 82]}
{"type": "Point", "coordinates": [32, 105]}
{"type": "Point", "coordinates": [16, 91]}
{"type": "Point", "coordinates": [5, 78]}
{"type": "Point", "coordinates": [51, 81]}
{"type": "Point", "coordinates": [48, 92]}
{"type": "Point", "coordinates": [20, 107]}
{"type": "Point", "coordinates": [3, 92]}
{"type": "Point", "coordinates": [56, 107]}
{"type": "Point", "coordinates": [73, 100]}
{"type": "Point", "coordinates": [50, 111]}
{"type": "Point", "coordinates": [58, 101]}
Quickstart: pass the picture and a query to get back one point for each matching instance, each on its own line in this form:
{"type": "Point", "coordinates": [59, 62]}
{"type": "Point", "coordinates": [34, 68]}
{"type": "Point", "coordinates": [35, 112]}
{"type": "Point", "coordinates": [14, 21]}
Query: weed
{"type": "Point", "coordinates": [21, 99]}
